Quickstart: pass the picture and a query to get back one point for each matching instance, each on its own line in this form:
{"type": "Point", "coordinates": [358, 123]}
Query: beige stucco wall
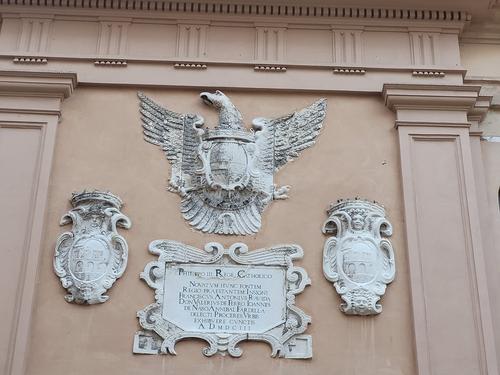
{"type": "Point", "coordinates": [491, 161]}
{"type": "Point", "coordinates": [99, 145]}
{"type": "Point", "coordinates": [481, 60]}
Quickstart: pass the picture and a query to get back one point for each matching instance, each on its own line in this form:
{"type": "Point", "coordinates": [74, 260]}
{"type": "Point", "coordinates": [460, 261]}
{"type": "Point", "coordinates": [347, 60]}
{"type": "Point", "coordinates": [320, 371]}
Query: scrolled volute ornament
{"type": "Point", "coordinates": [358, 258]}
{"type": "Point", "coordinates": [89, 258]}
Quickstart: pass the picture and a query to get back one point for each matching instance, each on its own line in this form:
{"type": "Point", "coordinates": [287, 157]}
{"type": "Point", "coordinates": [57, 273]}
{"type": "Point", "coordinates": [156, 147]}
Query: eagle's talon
{"type": "Point", "coordinates": [281, 192]}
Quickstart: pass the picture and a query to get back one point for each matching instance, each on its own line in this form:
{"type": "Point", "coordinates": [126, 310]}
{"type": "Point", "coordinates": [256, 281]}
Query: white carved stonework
{"type": "Point", "coordinates": [224, 296]}
{"type": "Point", "coordinates": [358, 258]}
{"type": "Point", "coordinates": [225, 175]}
{"type": "Point", "coordinates": [90, 258]}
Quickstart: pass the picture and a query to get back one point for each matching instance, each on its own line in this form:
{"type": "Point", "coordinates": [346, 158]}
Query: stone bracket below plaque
{"type": "Point", "coordinates": [224, 296]}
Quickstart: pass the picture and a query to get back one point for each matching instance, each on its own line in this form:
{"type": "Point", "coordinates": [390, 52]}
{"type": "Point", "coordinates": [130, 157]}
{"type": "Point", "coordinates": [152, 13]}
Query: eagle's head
{"type": "Point", "coordinates": [229, 116]}
{"type": "Point", "coordinates": [217, 99]}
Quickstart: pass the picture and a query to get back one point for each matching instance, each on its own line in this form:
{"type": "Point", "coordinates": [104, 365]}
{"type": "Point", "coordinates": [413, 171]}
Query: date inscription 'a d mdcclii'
{"type": "Point", "coordinates": [225, 175]}
{"type": "Point", "coordinates": [358, 258]}
{"type": "Point", "coordinates": [90, 257]}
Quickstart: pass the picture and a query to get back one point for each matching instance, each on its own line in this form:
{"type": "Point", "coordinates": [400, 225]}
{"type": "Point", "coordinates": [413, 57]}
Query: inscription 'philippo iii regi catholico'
{"type": "Point", "coordinates": [224, 296]}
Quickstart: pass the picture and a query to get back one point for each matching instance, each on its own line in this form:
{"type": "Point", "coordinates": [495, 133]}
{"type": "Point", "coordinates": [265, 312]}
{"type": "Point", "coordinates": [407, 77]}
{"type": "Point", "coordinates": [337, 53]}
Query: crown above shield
{"type": "Point", "coordinates": [238, 134]}
{"type": "Point", "coordinates": [95, 195]}
{"type": "Point", "coordinates": [356, 205]}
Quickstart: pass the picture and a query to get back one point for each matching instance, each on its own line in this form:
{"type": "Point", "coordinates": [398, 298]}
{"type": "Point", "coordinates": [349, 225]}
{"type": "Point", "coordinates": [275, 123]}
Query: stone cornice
{"type": "Point", "coordinates": [248, 9]}
{"type": "Point", "coordinates": [430, 97]}
{"type": "Point", "coordinates": [34, 92]}
{"type": "Point", "coordinates": [270, 46]}
{"type": "Point", "coordinates": [450, 106]}
{"type": "Point", "coordinates": [29, 83]}
{"type": "Point", "coordinates": [432, 124]}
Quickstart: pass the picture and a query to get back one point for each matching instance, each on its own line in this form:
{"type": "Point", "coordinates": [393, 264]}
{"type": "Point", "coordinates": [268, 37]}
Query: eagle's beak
{"type": "Point", "coordinates": [205, 96]}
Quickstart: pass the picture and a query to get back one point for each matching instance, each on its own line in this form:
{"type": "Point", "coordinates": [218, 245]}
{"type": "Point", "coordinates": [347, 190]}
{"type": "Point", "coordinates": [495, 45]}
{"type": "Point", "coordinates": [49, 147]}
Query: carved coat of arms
{"type": "Point", "coordinates": [90, 257]}
{"type": "Point", "coordinates": [358, 258]}
{"type": "Point", "coordinates": [225, 174]}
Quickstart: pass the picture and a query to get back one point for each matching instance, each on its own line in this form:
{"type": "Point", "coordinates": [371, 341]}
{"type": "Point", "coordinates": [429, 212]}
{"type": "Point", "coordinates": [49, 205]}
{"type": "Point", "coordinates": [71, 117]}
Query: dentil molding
{"type": "Point", "coordinates": [249, 8]}
{"type": "Point", "coordinates": [31, 92]}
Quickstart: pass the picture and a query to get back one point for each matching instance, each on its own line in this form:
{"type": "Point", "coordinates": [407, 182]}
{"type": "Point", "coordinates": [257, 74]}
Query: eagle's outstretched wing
{"type": "Point", "coordinates": [281, 140]}
{"type": "Point", "coordinates": [175, 133]}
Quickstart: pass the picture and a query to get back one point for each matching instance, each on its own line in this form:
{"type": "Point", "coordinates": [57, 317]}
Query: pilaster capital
{"type": "Point", "coordinates": [430, 97]}
{"type": "Point", "coordinates": [35, 92]}
{"type": "Point", "coordinates": [436, 105]}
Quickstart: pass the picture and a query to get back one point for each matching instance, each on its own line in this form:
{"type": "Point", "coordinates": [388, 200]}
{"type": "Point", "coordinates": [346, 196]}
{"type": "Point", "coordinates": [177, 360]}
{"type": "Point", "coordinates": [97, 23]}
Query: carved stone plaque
{"type": "Point", "coordinates": [224, 296]}
{"type": "Point", "coordinates": [225, 174]}
{"type": "Point", "coordinates": [233, 299]}
{"type": "Point", "coordinates": [90, 258]}
{"type": "Point", "coordinates": [358, 258]}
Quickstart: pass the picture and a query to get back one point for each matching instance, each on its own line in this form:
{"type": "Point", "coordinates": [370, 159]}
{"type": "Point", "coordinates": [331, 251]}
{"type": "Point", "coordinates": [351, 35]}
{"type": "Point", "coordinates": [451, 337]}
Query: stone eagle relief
{"type": "Point", "coordinates": [225, 174]}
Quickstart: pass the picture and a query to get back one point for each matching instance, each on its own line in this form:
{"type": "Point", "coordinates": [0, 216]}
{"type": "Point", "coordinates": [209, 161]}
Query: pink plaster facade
{"type": "Point", "coordinates": [413, 121]}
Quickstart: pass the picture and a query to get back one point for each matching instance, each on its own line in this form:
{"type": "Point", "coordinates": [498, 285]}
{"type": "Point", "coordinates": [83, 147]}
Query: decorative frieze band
{"type": "Point", "coordinates": [349, 45]}
{"type": "Point", "coordinates": [296, 45]}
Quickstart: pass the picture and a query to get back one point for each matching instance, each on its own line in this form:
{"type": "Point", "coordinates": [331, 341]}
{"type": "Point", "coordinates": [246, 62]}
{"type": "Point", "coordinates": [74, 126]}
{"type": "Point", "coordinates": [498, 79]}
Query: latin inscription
{"type": "Point", "coordinates": [224, 298]}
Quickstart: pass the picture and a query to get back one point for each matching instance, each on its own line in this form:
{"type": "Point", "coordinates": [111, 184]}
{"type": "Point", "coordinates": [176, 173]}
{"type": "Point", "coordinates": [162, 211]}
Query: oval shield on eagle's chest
{"type": "Point", "coordinates": [89, 258]}
{"type": "Point", "coordinates": [228, 163]}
